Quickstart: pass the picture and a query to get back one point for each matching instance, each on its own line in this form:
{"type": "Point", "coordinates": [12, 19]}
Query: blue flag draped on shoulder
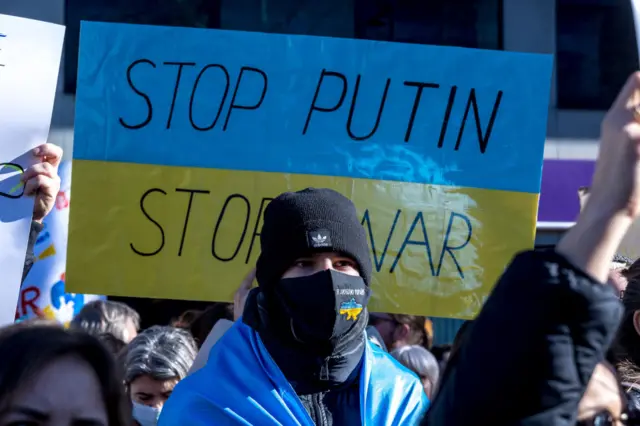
{"type": "Point", "coordinates": [241, 385]}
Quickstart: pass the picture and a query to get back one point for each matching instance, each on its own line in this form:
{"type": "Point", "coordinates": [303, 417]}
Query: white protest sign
{"type": "Point", "coordinates": [30, 54]}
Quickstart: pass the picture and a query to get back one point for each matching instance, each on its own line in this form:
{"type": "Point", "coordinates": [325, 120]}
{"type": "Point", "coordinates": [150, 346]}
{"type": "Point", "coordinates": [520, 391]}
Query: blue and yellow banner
{"type": "Point", "coordinates": [183, 136]}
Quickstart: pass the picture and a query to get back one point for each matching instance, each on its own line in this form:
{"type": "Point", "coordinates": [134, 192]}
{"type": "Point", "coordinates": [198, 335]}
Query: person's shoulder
{"type": "Point", "coordinates": [394, 382]}
{"type": "Point", "coordinates": [234, 336]}
{"type": "Point", "coordinates": [191, 386]}
{"type": "Point", "coordinates": [187, 397]}
{"type": "Point", "coordinates": [383, 358]}
{"type": "Point", "coordinates": [374, 336]}
{"type": "Point", "coordinates": [387, 367]}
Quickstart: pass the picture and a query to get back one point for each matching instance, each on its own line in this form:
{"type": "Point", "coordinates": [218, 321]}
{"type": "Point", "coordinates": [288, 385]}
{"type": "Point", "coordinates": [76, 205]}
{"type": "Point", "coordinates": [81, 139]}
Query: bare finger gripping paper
{"type": "Point", "coordinates": [183, 136]}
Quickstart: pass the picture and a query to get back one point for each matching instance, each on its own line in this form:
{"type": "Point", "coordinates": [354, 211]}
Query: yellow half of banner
{"type": "Point", "coordinates": [185, 233]}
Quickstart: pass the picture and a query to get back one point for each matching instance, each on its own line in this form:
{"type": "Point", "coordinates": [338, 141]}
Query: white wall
{"type": "Point", "coordinates": [529, 26]}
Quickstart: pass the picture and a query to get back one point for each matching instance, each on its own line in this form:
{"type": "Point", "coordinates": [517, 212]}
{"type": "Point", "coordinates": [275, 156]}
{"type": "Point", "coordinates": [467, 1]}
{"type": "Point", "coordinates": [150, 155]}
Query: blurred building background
{"type": "Point", "coordinates": [593, 42]}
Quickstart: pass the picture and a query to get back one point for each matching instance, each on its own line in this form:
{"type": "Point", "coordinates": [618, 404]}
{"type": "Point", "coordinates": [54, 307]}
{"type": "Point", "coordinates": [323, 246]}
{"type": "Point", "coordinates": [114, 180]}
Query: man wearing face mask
{"type": "Point", "coordinates": [300, 353]}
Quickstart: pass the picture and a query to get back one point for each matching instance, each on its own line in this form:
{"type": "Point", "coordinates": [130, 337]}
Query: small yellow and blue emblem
{"type": "Point", "coordinates": [351, 309]}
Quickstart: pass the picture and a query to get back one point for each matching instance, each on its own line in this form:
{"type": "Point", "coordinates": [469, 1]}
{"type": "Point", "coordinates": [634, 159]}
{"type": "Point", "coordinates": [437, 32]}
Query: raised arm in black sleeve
{"type": "Point", "coordinates": [532, 349]}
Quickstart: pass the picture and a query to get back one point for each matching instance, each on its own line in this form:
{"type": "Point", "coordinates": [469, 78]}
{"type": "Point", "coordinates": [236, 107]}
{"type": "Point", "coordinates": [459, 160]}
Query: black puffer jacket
{"type": "Point", "coordinates": [532, 349]}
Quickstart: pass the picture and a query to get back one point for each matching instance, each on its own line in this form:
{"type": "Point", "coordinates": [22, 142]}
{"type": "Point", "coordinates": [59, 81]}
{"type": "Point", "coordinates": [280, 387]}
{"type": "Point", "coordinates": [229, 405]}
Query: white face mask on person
{"type": "Point", "coordinates": [145, 415]}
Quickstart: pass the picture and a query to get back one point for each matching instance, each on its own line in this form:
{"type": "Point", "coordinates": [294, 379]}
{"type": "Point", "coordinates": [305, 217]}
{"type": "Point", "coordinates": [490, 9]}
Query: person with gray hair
{"type": "Point", "coordinates": [154, 362]}
{"type": "Point", "coordinates": [422, 362]}
{"type": "Point", "coordinates": [106, 316]}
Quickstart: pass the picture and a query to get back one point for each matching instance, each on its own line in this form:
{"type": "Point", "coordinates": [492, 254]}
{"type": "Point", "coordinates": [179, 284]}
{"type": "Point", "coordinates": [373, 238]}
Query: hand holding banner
{"type": "Point", "coordinates": [43, 293]}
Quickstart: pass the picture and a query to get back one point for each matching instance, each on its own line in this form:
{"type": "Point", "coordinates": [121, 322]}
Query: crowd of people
{"type": "Point", "coordinates": [301, 347]}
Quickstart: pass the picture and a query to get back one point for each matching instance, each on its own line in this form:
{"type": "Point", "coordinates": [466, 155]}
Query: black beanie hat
{"type": "Point", "coordinates": [297, 224]}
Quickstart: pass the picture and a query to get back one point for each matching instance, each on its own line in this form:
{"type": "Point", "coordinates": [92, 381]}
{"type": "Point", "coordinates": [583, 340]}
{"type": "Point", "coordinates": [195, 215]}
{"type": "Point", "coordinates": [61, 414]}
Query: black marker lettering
{"type": "Point", "coordinates": [449, 249]}
{"type": "Point", "coordinates": [407, 241]}
{"type": "Point", "coordinates": [192, 193]}
{"type": "Point", "coordinates": [473, 103]}
{"type": "Point", "coordinates": [141, 94]}
{"type": "Point", "coordinates": [244, 230]}
{"type": "Point", "coordinates": [416, 103]}
{"type": "Point", "coordinates": [144, 212]}
{"type": "Point", "coordinates": [224, 97]}
{"type": "Point", "coordinates": [314, 107]}
{"type": "Point", "coordinates": [175, 89]}
{"type": "Point", "coordinates": [263, 205]}
{"type": "Point", "coordinates": [367, 219]}
{"type": "Point", "coordinates": [447, 115]}
{"type": "Point", "coordinates": [353, 107]}
{"type": "Point", "coordinates": [235, 92]}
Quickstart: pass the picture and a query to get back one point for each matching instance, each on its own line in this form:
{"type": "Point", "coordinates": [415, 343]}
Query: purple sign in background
{"type": "Point", "coordinates": [559, 192]}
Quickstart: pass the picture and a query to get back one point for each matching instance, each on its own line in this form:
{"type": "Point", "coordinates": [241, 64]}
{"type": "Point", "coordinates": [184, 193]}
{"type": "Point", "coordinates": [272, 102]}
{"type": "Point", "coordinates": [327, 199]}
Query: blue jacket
{"type": "Point", "coordinates": [241, 385]}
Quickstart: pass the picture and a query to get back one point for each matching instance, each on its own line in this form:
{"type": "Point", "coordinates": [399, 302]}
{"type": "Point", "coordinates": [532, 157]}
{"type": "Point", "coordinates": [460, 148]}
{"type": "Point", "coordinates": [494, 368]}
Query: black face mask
{"type": "Point", "coordinates": [324, 306]}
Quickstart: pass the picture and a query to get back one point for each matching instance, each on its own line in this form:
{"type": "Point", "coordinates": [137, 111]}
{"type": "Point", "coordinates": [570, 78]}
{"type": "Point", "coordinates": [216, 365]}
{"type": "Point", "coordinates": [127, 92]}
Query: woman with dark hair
{"type": "Point", "coordinates": [60, 377]}
{"type": "Point", "coordinates": [202, 325]}
{"type": "Point", "coordinates": [186, 319]}
{"type": "Point", "coordinates": [115, 345]}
